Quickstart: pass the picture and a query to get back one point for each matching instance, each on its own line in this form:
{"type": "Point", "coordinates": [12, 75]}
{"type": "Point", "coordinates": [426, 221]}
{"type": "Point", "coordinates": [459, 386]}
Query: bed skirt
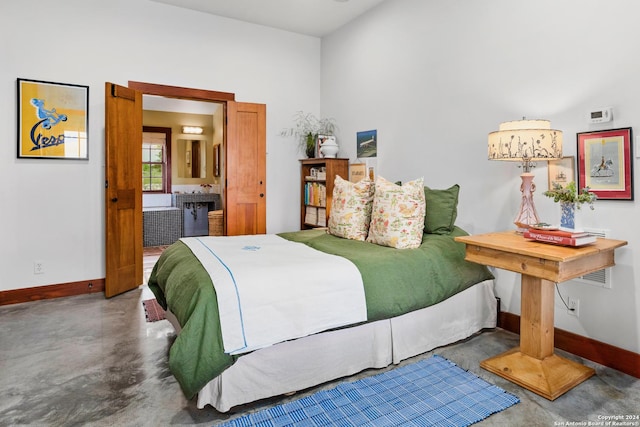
{"type": "Point", "coordinates": [305, 362]}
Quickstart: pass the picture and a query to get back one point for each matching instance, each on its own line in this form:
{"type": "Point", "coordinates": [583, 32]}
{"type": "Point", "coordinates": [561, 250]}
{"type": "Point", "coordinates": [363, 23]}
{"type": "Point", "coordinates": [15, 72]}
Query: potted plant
{"type": "Point", "coordinates": [570, 199]}
{"type": "Point", "coordinates": [306, 130]}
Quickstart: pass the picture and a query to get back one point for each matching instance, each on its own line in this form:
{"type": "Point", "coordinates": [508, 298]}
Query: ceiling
{"type": "Point", "coordinates": [312, 17]}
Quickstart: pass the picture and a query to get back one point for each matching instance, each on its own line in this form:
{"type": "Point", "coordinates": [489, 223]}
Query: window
{"type": "Point", "coordinates": [156, 163]}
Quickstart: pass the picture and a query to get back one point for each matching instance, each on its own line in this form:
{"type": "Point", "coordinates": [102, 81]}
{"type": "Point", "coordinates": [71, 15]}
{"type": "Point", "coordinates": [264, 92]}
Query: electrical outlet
{"type": "Point", "coordinates": [574, 306]}
{"type": "Point", "coordinates": [38, 267]}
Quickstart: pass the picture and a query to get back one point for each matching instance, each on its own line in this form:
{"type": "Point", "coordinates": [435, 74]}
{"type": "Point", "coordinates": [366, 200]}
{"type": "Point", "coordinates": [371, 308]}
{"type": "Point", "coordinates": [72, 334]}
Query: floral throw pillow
{"type": "Point", "coordinates": [397, 218]}
{"type": "Point", "coordinates": [351, 209]}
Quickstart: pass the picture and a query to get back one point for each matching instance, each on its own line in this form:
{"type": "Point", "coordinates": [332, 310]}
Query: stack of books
{"type": "Point", "coordinates": [315, 194]}
{"type": "Point", "coordinates": [315, 216]}
{"type": "Point", "coordinates": [311, 215]}
{"type": "Point", "coordinates": [560, 236]}
{"type": "Point", "coordinates": [322, 217]}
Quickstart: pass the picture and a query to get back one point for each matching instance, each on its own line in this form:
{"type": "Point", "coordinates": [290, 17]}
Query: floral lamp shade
{"type": "Point", "coordinates": [523, 140]}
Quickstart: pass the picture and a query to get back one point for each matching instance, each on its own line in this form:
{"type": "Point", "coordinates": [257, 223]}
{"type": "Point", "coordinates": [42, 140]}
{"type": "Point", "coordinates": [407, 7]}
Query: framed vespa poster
{"type": "Point", "coordinates": [605, 163]}
{"type": "Point", "coordinates": [53, 120]}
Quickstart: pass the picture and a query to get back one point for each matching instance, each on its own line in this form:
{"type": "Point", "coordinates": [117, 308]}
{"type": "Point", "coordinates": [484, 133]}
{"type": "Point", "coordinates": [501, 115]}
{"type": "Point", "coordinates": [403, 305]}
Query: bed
{"type": "Point", "coordinates": [416, 300]}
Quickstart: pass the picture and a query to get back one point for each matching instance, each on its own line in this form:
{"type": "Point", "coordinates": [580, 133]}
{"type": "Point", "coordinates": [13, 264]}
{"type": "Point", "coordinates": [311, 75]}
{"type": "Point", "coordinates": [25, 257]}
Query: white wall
{"type": "Point", "coordinates": [52, 211]}
{"type": "Point", "coordinates": [435, 77]}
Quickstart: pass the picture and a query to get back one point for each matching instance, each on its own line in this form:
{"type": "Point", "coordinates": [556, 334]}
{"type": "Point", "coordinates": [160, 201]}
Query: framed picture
{"type": "Point", "coordinates": [604, 163]}
{"type": "Point", "coordinates": [561, 171]}
{"type": "Point", "coordinates": [367, 143]}
{"type": "Point", "coordinates": [357, 171]}
{"type": "Point", "coordinates": [372, 173]}
{"type": "Point", "coordinates": [53, 120]}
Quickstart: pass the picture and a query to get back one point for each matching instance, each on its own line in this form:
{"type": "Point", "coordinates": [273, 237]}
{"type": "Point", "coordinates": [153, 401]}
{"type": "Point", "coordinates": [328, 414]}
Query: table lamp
{"type": "Point", "coordinates": [526, 141]}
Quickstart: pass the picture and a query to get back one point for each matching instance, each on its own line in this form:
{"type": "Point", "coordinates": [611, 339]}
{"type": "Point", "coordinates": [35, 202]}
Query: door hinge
{"type": "Point", "coordinates": [106, 184]}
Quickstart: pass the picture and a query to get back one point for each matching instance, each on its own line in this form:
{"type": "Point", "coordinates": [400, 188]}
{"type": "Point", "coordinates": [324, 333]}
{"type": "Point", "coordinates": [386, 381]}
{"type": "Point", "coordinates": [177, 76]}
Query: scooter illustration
{"type": "Point", "coordinates": [49, 118]}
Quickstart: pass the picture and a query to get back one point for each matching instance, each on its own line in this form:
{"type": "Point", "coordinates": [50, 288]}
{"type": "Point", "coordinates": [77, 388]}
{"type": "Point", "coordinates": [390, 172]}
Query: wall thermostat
{"type": "Point", "coordinates": [601, 115]}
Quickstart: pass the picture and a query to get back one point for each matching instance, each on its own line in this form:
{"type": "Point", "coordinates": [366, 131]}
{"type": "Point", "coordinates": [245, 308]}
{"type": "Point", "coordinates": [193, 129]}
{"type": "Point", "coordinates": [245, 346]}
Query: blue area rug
{"type": "Point", "coordinates": [431, 392]}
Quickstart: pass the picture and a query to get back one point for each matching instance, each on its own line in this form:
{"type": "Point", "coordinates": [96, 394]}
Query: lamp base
{"type": "Point", "coordinates": [527, 215]}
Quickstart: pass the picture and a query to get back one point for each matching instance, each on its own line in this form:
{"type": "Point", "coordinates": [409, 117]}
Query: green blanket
{"type": "Point", "coordinates": [395, 282]}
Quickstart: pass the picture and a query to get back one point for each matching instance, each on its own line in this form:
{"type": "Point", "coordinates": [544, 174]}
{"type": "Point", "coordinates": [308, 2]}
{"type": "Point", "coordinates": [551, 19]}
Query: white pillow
{"type": "Point", "coordinates": [351, 209]}
{"type": "Point", "coordinates": [397, 218]}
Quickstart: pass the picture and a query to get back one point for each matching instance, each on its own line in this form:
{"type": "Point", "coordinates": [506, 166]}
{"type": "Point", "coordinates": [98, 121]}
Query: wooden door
{"type": "Point", "coordinates": [123, 189]}
{"type": "Point", "coordinates": [245, 153]}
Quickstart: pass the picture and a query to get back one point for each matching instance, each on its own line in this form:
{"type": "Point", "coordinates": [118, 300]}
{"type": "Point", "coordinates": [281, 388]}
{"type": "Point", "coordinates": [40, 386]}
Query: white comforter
{"type": "Point", "coordinates": [271, 290]}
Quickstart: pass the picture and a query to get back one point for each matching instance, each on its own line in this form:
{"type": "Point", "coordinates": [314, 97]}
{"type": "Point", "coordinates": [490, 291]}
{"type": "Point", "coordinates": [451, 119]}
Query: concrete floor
{"type": "Point", "coordinates": [86, 360]}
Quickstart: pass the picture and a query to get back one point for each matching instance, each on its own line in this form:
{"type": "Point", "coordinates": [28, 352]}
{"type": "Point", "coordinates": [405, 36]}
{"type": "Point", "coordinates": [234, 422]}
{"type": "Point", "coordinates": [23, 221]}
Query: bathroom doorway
{"type": "Point", "coordinates": [181, 137]}
{"type": "Point", "coordinates": [245, 155]}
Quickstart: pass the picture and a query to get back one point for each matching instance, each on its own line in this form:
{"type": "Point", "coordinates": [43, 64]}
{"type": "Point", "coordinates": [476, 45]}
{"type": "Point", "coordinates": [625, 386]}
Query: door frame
{"type": "Point", "coordinates": [182, 92]}
{"type": "Point", "coordinates": [178, 92]}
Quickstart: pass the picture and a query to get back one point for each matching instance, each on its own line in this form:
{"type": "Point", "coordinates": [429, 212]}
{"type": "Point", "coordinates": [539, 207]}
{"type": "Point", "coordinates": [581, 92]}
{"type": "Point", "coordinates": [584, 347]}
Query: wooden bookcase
{"type": "Point", "coordinates": [321, 189]}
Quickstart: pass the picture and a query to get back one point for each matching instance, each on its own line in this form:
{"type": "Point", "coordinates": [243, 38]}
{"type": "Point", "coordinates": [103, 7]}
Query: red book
{"type": "Point", "coordinates": [563, 232]}
{"type": "Point", "coordinates": [558, 240]}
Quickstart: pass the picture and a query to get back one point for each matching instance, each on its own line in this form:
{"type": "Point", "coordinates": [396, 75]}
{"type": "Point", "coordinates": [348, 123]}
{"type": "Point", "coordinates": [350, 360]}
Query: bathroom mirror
{"type": "Point", "coordinates": [192, 158]}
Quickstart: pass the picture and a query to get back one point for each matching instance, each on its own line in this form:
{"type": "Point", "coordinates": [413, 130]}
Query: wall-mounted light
{"type": "Point", "coordinates": [193, 130]}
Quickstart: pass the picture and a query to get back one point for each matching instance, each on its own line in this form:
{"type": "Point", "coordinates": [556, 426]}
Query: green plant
{"type": "Point", "coordinates": [570, 194]}
{"type": "Point", "coordinates": [306, 129]}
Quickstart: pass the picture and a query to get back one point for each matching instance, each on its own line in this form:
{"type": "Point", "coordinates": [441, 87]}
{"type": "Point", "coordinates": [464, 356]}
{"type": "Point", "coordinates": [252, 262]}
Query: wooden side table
{"type": "Point", "coordinates": [533, 365]}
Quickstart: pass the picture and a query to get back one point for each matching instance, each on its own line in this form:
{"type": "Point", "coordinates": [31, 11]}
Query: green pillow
{"type": "Point", "coordinates": [442, 209]}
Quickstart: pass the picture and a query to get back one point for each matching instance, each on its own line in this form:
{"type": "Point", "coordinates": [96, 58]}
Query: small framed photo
{"type": "Point", "coordinates": [604, 163]}
{"type": "Point", "coordinates": [561, 171]}
{"type": "Point", "coordinates": [53, 120]}
{"type": "Point", "coordinates": [357, 172]}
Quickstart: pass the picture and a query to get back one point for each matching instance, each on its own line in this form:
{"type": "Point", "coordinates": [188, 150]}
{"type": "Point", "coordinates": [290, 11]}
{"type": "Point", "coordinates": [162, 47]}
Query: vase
{"type": "Point", "coordinates": [310, 152]}
{"type": "Point", "coordinates": [329, 148]}
{"type": "Point", "coordinates": [568, 215]}
{"type": "Point", "coordinates": [310, 146]}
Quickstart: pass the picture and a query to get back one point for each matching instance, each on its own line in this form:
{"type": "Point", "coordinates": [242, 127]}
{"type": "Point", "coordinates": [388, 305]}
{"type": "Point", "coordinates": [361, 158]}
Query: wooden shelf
{"type": "Point", "coordinates": [332, 167]}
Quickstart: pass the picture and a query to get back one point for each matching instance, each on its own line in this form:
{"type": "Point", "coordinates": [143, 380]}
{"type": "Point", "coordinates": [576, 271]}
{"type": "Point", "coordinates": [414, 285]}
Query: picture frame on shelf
{"type": "Point", "coordinates": [561, 171]}
{"type": "Point", "coordinates": [53, 120]}
{"type": "Point", "coordinates": [357, 172]}
{"type": "Point", "coordinates": [320, 139]}
{"type": "Point", "coordinates": [372, 164]}
{"type": "Point", "coordinates": [604, 163]}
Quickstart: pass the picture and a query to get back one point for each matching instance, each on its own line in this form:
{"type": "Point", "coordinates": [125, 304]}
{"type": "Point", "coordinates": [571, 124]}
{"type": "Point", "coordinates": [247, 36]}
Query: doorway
{"type": "Point", "coordinates": [243, 186]}
{"type": "Point", "coordinates": [245, 155]}
{"type": "Point", "coordinates": [185, 156]}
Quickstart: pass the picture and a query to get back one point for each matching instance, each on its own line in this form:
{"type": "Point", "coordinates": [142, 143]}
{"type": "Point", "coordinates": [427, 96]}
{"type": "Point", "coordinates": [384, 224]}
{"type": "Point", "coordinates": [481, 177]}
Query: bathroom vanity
{"type": "Point", "coordinates": [185, 217]}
